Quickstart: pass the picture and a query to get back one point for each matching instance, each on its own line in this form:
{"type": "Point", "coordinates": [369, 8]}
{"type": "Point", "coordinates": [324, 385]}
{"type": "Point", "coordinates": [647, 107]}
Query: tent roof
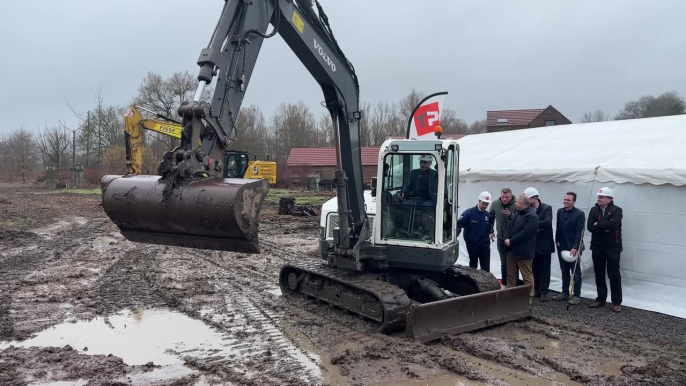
{"type": "Point", "coordinates": [639, 151]}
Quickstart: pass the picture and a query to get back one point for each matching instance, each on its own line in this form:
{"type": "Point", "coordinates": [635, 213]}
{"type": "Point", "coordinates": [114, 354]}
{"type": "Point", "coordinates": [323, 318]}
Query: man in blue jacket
{"type": "Point", "coordinates": [476, 222]}
{"type": "Point", "coordinates": [569, 234]}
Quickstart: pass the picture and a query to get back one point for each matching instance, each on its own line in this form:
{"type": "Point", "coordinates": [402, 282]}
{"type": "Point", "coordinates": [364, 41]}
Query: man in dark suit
{"type": "Point", "coordinates": [422, 191]}
{"type": "Point", "coordinates": [605, 225]}
{"type": "Point", "coordinates": [545, 244]}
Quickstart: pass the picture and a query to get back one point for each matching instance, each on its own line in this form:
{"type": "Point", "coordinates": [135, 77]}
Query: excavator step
{"type": "Point", "coordinates": [210, 213]}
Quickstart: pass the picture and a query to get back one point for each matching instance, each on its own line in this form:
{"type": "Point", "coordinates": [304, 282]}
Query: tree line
{"type": "Point", "coordinates": [97, 142]}
{"type": "Point", "coordinates": [647, 106]}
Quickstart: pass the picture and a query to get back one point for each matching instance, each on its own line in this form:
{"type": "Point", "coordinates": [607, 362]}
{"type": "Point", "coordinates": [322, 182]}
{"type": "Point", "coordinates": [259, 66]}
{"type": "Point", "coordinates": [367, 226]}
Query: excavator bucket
{"type": "Point", "coordinates": [213, 213]}
{"type": "Point", "coordinates": [434, 320]}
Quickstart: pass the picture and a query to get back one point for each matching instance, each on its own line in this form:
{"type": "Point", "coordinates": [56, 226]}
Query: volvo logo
{"type": "Point", "coordinates": [324, 55]}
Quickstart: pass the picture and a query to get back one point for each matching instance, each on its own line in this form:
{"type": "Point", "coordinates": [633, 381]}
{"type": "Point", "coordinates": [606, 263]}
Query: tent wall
{"type": "Point", "coordinates": [653, 263]}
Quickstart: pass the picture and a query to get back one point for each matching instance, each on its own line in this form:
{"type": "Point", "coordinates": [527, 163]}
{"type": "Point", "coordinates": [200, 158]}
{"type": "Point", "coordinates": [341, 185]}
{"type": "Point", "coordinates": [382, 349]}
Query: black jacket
{"type": "Point", "coordinates": [544, 239]}
{"type": "Point", "coordinates": [570, 228]}
{"type": "Point", "coordinates": [608, 232]}
{"type": "Point", "coordinates": [522, 234]}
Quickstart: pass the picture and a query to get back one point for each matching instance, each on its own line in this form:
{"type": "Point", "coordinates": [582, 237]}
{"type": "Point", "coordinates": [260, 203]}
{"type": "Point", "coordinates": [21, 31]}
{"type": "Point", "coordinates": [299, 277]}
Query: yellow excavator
{"type": "Point", "coordinates": [134, 123]}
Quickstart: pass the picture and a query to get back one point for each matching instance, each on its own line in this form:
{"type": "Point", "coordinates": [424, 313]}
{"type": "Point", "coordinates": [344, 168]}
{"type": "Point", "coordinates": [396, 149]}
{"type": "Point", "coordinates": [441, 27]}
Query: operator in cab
{"type": "Point", "coordinates": [421, 191]}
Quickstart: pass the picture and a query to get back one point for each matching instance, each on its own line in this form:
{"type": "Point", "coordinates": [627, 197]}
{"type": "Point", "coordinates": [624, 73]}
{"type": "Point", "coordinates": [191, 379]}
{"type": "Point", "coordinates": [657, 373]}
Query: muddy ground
{"type": "Point", "coordinates": [80, 305]}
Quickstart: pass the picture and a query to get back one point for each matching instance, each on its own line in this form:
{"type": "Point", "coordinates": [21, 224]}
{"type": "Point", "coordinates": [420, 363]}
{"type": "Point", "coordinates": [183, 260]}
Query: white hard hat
{"type": "Point", "coordinates": [485, 197]}
{"type": "Point", "coordinates": [567, 256]}
{"type": "Point", "coordinates": [426, 157]}
{"type": "Point", "coordinates": [530, 192]}
{"type": "Point", "coordinates": [607, 192]}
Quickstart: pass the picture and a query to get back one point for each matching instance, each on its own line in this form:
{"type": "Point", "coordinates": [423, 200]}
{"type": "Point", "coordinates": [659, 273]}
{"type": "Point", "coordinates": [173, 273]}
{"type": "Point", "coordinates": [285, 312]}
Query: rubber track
{"type": "Point", "coordinates": [485, 281]}
{"type": "Point", "coordinates": [393, 299]}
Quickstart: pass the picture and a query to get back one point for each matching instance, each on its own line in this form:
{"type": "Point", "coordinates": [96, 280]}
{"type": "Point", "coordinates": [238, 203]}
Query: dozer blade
{"type": "Point", "coordinates": [213, 213]}
{"type": "Point", "coordinates": [433, 320]}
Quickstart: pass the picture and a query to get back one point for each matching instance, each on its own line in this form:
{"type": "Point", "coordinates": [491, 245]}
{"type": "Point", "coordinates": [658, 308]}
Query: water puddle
{"type": "Point", "coordinates": [160, 336]}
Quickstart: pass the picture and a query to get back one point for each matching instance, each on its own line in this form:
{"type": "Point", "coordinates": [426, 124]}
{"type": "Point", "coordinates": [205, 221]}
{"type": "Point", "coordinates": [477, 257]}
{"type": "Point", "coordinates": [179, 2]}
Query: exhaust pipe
{"type": "Point", "coordinates": [212, 213]}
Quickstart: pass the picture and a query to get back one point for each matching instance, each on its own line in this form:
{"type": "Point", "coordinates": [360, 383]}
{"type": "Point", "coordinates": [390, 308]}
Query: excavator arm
{"type": "Point", "coordinates": [189, 203]}
{"type": "Point", "coordinates": [134, 123]}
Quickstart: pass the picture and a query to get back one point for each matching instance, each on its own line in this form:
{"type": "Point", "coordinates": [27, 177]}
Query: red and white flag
{"type": "Point", "coordinates": [426, 116]}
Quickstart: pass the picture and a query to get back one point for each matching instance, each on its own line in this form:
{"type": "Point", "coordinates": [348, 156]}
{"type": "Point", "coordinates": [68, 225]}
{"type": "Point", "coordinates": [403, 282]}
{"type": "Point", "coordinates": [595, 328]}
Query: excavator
{"type": "Point", "coordinates": [398, 269]}
{"type": "Point", "coordinates": [134, 123]}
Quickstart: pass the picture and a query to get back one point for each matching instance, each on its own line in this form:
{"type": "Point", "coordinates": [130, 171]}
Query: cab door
{"type": "Point", "coordinates": [451, 191]}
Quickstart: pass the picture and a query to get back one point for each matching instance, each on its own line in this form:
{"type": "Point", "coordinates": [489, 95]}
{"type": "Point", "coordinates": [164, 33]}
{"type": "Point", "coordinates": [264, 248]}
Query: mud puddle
{"type": "Point", "coordinates": [164, 337]}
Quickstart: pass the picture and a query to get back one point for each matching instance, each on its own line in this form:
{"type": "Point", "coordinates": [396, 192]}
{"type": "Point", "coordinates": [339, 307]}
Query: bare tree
{"type": "Point", "coordinates": [595, 116]}
{"type": "Point", "coordinates": [252, 132]}
{"type": "Point", "coordinates": [325, 134]}
{"type": "Point", "coordinates": [408, 103]}
{"type": "Point", "coordinates": [164, 96]}
{"type": "Point", "coordinates": [669, 103]}
{"type": "Point", "coordinates": [293, 125]}
{"type": "Point", "coordinates": [477, 127]}
{"type": "Point", "coordinates": [19, 152]}
{"type": "Point", "coordinates": [52, 144]}
{"type": "Point", "coordinates": [451, 124]}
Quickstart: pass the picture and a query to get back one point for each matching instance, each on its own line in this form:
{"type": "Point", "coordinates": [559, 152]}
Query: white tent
{"type": "Point", "coordinates": [642, 160]}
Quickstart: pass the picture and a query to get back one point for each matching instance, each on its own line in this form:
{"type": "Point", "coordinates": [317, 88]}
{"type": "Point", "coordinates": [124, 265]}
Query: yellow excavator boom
{"type": "Point", "coordinates": [134, 123]}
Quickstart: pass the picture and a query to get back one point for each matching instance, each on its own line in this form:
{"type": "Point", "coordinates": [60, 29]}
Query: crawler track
{"type": "Point", "coordinates": [360, 293]}
{"type": "Point", "coordinates": [366, 295]}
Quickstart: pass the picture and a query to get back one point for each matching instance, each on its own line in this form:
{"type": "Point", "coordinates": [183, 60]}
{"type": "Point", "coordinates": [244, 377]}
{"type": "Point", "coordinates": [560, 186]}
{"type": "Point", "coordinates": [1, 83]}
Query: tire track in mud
{"type": "Point", "coordinates": [32, 277]}
{"type": "Point", "coordinates": [200, 284]}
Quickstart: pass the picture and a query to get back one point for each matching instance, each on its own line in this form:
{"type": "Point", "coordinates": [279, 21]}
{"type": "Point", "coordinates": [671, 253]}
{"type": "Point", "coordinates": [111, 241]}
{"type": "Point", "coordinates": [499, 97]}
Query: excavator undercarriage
{"type": "Point", "coordinates": [426, 305]}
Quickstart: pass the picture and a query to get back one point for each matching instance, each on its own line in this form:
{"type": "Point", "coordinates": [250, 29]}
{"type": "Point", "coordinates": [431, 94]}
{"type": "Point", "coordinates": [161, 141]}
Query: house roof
{"type": "Point", "coordinates": [511, 117]}
{"type": "Point", "coordinates": [326, 156]}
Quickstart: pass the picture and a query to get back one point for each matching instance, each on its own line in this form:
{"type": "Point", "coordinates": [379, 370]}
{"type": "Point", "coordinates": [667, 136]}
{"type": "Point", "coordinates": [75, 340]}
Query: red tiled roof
{"type": "Point", "coordinates": [514, 117]}
{"type": "Point", "coordinates": [326, 156]}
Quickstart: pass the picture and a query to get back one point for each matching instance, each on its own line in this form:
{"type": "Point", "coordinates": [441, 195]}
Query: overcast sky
{"type": "Point", "coordinates": [489, 55]}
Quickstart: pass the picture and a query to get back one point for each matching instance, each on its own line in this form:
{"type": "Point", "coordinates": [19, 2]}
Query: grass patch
{"type": "Point", "coordinates": [302, 197]}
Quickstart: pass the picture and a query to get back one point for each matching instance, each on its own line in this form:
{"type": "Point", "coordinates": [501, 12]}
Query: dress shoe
{"type": "Point", "coordinates": [596, 305]}
{"type": "Point", "coordinates": [617, 308]}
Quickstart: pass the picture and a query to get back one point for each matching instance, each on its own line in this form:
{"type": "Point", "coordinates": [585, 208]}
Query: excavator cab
{"type": "Point", "coordinates": [236, 164]}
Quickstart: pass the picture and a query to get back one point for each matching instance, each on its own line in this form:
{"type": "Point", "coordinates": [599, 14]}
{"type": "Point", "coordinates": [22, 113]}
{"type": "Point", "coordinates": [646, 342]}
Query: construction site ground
{"type": "Point", "coordinates": [80, 305]}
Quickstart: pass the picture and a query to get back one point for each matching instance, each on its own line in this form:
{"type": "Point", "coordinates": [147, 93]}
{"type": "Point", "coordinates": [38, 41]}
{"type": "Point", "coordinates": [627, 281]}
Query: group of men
{"type": "Point", "coordinates": [523, 230]}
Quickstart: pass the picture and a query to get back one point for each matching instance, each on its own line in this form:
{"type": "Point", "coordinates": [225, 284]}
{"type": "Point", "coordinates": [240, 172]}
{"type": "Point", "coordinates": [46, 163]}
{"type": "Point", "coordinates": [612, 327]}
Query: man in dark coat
{"type": "Point", "coordinates": [545, 245]}
{"type": "Point", "coordinates": [501, 212]}
{"type": "Point", "coordinates": [520, 239]}
{"type": "Point", "coordinates": [605, 225]}
{"type": "Point", "coordinates": [569, 234]}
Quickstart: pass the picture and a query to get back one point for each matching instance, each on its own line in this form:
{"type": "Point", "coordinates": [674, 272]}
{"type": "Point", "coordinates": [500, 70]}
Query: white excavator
{"type": "Point", "coordinates": [396, 267]}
